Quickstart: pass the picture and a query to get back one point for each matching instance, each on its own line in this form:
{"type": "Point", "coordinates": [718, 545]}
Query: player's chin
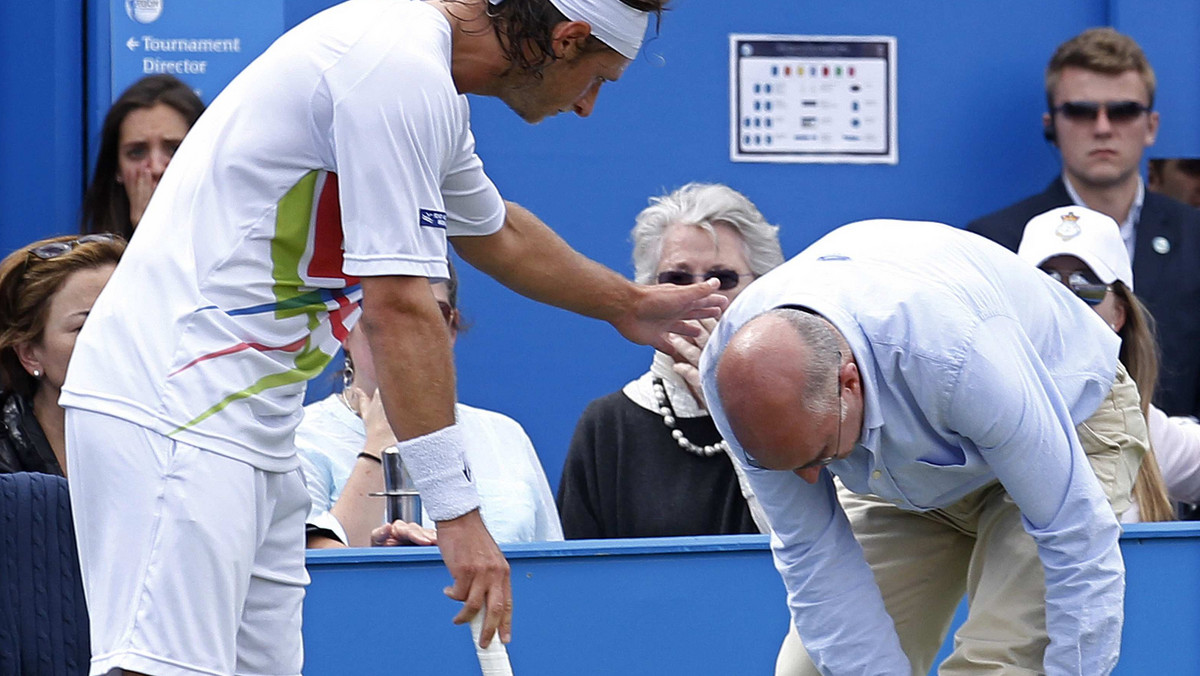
{"type": "Point", "coordinates": [530, 116]}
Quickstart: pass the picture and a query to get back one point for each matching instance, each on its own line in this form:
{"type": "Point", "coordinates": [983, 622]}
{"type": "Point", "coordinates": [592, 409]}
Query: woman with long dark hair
{"type": "Point", "coordinates": [141, 132]}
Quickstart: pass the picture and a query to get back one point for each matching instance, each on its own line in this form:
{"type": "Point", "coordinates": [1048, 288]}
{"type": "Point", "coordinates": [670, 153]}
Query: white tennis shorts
{"type": "Point", "coordinates": [193, 563]}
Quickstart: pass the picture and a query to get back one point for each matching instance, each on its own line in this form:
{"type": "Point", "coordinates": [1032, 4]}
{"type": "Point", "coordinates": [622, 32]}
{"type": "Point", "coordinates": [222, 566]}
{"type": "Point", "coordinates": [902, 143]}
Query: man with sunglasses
{"type": "Point", "coordinates": [646, 460]}
{"type": "Point", "coordinates": [1100, 92]}
{"type": "Point", "coordinates": [960, 397]}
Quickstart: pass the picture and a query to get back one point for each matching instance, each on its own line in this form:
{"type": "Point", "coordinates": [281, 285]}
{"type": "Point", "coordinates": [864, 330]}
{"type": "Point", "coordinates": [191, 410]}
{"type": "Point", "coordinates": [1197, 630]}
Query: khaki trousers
{"type": "Point", "coordinates": [924, 561]}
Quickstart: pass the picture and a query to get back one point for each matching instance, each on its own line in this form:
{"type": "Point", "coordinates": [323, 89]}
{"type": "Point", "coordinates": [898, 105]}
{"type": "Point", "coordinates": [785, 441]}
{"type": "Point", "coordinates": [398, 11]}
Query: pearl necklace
{"type": "Point", "coordinates": [668, 416]}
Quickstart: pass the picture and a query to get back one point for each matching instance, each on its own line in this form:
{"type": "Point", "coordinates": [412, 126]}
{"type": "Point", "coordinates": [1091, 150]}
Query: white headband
{"type": "Point", "coordinates": [616, 24]}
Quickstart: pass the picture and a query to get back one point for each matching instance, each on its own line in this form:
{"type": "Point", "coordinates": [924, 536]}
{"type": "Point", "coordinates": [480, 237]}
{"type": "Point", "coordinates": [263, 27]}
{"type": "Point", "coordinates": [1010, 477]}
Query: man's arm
{"type": "Point", "coordinates": [836, 605]}
{"type": "Point", "coordinates": [528, 257]}
{"type": "Point", "coordinates": [1007, 405]}
{"type": "Point", "coordinates": [415, 369]}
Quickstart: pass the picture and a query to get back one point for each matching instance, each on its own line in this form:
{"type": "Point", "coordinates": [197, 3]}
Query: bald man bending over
{"type": "Point", "coordinates": [958, 395]}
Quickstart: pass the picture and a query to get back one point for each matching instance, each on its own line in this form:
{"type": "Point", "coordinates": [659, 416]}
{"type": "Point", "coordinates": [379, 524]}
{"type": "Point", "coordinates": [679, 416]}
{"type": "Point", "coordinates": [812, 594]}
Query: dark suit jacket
{"type": "Point", "coordinates": [1168, 283]}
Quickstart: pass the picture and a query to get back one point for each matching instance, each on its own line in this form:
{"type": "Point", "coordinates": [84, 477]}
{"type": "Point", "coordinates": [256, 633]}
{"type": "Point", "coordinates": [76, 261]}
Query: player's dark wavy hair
{"type": "Point", "coordinates": [524, 28]}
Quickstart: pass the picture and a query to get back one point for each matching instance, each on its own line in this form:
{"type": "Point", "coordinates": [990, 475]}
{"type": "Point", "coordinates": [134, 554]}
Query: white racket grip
{"type": "Point", "coordinates": [493, 660]}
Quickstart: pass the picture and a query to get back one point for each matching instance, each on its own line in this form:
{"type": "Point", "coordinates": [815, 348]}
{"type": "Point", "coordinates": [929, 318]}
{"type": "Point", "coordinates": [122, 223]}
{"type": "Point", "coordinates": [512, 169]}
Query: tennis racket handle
{"type": "Point", "coordinates": [493, 660]}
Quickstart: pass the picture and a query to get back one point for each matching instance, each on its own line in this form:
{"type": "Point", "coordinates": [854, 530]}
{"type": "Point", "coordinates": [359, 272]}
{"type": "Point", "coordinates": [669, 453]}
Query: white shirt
{"type": "Point", "coordinates": [515, 499]}
{"type": "Point", "coordinates": [975, 367]}
{"type": "Point", "coordinates": [242, 277]}
{"type": "Point", "coordinates": [1176, 444]}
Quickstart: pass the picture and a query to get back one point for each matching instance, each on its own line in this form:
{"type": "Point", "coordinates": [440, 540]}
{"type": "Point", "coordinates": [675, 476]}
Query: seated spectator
{"type": "Point", "coordinates": [46, 291]}
{"type": "Point", "coordinates": [342, 436]}
{"type": "Point", "coordinates": [647, 461]}
{"type": "Point", "coordinates": [140, 134]}
{"type": "Point", "coordinates": [1083, 249]}
{"type": "Point", "coordinates": [1177, 178]}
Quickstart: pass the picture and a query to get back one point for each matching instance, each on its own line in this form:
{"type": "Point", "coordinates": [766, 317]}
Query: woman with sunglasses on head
{"type": "Point", "coordinates": [46, 291]}
{"type": "Point", "coordinates": [1083, 250]}
{"type": "Point", "coordinates": [647, 461]}
{"type": "Point", "coordinates": [342, 437]}
{"type": "Point", "coordinates": [141, 132]}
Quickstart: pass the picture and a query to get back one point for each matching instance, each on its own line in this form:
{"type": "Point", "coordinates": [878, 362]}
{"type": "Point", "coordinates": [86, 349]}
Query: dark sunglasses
{"type": "Point", "coordinates": [1116, 111]}
{"type": "Point", "coordinates": [729, 279]}
{"type": "Point", "coordinates": [56, 249]}
{"type": "Point", "coordinates": [1091, 291]}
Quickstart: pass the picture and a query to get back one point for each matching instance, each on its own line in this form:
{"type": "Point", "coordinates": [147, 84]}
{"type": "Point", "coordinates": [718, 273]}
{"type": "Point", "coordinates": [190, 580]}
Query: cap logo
{"type": "Point", "coordinates": [1068, 229]}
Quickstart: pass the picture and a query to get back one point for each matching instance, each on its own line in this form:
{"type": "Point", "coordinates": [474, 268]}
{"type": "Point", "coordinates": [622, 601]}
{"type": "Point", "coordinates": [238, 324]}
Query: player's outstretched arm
{"type": "Point", "coordinates": [415, 368]}
{"type": "Point", "coordinates": [528, 257]}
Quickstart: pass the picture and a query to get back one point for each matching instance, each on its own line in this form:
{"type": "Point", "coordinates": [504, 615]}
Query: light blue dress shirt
{"type": "Point", "coordinates": [975, 366]}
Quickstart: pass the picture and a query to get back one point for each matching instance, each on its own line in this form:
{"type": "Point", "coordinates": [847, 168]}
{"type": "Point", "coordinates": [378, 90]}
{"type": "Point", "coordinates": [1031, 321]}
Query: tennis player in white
{"type": "Point", "coordinates": [334, 170]}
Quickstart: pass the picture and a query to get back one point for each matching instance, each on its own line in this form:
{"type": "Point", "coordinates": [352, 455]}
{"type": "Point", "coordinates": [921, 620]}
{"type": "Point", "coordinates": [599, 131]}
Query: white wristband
{"type": "Point", "coordinates": [438, 466]}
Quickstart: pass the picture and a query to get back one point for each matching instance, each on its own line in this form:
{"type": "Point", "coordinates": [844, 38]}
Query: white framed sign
{"type": "Point", "coordinates": [811, 98]}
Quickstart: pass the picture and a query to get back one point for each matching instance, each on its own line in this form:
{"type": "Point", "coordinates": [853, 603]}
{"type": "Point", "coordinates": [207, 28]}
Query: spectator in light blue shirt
{"type": "Point", "coordinates": [959, 396]}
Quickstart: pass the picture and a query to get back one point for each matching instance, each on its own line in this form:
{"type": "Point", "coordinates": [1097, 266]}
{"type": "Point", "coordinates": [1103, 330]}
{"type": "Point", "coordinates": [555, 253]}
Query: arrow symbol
{"type": "Point", "coordinates": [132, 44]}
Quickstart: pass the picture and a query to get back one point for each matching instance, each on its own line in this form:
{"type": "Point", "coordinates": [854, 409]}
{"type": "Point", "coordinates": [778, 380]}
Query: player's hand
{"type": "Point", "coordinates": [481, 575]}
{"type": "Point", "coordinates": [399, 533]}
{"type": "Point", "coordinates": [139, 193]}
{"type": "Point", "coordinates": [686, 351]}
{"type": "Point", "coordinates": [662, 309]}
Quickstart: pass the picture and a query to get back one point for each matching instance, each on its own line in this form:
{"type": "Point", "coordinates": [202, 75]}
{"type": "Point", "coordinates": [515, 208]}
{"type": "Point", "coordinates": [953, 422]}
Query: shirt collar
{"type": "Point", "coordinates": [1135, 211]}
{"type": "Point", "coordinates": [641, 390]}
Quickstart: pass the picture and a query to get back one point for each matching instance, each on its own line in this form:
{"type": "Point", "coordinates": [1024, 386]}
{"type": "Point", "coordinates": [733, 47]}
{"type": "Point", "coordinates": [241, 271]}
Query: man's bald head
{"type": "Point", "coordinates": [776, 378]}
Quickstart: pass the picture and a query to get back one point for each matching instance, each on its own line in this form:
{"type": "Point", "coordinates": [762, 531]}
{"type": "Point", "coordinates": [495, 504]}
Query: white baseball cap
{"type": "Point", "coordinates": [1088, 235]}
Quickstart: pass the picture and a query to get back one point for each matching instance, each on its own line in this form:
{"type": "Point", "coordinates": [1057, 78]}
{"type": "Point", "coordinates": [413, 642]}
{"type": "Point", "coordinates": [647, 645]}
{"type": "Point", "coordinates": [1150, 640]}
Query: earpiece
{"type": "Point", "coordinates": [1050, 133]}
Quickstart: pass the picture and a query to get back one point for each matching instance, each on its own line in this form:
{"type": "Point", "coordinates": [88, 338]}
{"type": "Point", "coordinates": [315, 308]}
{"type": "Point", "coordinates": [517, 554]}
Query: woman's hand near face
{"type": "Point", "coordinates": [369, 407]}
{"type": "Point", "coordinates": [139, 192]}
{"type": "Point", "coordinates": [687, 352]}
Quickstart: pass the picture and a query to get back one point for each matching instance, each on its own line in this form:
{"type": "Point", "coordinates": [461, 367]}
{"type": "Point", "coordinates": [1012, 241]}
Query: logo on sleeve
{"type": "Point", "coordinates": [433, 219]}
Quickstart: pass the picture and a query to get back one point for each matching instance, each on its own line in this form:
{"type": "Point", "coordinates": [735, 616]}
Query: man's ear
{"type": "Point", "coordinates": [569, 37]}
{"type": "Point", "coordinates": [849, 377]}
{"type": "Point", "coordinates": [1152, 128]}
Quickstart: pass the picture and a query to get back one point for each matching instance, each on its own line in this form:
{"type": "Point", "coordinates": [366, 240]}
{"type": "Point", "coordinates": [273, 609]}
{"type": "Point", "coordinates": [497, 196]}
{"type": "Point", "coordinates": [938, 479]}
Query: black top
{"type": "Point", "coordinates": [23, 445]}
{"type": "Point", "coordinates": [625, 476]}
{"type": "Point", "coordinates": [1166, 277]}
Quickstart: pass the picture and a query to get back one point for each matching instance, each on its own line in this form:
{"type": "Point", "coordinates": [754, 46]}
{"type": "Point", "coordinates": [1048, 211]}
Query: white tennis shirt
{"type": "Point", "coordinates": [343, 151]}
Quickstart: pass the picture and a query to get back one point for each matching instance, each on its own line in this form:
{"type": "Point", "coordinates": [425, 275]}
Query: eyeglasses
{"type": "Point", "coordinates": [1091, 291]}
{"type": "Point", "coordinates": [829, 459]}
{"type": "Point", "coordinates": [729, 279]}
{"type": "Point", "coordinates": [56, 249]}
{"type": "Point", "coordinates": [1117, 112]}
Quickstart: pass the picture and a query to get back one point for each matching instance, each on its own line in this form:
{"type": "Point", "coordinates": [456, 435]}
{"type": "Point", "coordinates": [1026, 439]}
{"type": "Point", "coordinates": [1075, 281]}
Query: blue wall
{"type": "Point", "coordinates": [41, 119]}
{"type": "Point", "coordinates": [970, 100]}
